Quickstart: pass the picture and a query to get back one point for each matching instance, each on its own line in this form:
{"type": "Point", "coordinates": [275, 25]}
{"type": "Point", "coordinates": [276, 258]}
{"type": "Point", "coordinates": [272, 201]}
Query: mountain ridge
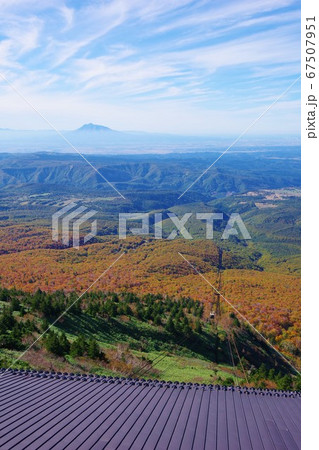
{"type": "Point", "coordinates": [93, 127]}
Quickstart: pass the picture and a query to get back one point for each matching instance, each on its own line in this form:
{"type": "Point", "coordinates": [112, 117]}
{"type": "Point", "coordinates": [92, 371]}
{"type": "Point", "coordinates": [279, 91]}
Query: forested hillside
{"type": "Point", "coordinates": [149, 336]}
{"type": "Point", "coordinates": [241, 171]}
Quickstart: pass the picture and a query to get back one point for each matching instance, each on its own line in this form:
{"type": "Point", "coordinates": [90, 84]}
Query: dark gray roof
{"type": "Point", "coordinates": [53, 410]}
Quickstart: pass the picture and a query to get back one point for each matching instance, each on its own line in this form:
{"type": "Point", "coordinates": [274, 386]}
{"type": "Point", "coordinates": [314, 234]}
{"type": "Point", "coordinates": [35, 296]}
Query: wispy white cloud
{"type": "Point", "coordinates": [230, 12]}
{"type": "Point", "coordinates": [198, 37]}
{"type": "Point", "coordinates": [175, 72]}
{"type": "Point", "coordinates": [19, 38]}
{"type": "Point", "coordinates": [200, 57]}
{"type": "Point", "coordinates": [68, 16]}
{"type": "Point", "coordinates": [263, 48]}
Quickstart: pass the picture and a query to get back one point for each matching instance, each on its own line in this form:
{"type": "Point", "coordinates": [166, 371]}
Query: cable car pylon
{"type": "Point", "coordinates": [215, 311]}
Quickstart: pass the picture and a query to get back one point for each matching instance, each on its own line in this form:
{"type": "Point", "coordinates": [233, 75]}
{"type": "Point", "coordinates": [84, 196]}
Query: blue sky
{"type": "Point", "coordinates": [189, 67]}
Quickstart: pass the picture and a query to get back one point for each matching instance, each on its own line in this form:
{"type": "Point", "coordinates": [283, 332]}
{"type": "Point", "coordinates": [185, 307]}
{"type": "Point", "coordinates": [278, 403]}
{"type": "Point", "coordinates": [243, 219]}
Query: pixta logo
{"type": "Point", "coordinates": [234, 227]}
{"type": "Point", "coordinates": [69, 219]}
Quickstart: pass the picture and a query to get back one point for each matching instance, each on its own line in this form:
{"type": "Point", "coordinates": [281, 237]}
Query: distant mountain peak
{"type": "Point", "coordinates": [93, 127]}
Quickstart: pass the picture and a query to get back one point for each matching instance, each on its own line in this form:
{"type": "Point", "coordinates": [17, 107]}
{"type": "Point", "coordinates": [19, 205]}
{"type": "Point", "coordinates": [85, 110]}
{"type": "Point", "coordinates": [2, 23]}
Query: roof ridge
{"type": "Point", "coordinates": [149, 382]}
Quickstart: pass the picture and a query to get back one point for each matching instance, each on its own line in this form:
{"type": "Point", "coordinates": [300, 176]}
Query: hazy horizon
{"type": "Point", "coordinates": [105, 141]}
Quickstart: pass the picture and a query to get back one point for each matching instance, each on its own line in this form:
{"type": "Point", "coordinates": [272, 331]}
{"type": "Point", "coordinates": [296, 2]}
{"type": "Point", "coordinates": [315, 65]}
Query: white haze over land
{"type": "Point", "coordinates": [112, 142]}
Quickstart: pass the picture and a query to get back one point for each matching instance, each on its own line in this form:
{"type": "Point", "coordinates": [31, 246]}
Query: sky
{"type": "Point", "coordinates": [200, 67]}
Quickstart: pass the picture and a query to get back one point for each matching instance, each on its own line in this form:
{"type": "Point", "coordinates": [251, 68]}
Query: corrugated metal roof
{"type": "Point", "coordinates": [53, 410]}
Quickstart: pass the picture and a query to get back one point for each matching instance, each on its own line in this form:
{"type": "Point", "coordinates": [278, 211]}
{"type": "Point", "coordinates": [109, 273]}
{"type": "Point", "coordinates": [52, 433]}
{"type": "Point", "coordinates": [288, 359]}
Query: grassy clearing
{"type": "Point", "coordinates": [131, 347]}
{"type": "Point", "coordinates": [179, 368]}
